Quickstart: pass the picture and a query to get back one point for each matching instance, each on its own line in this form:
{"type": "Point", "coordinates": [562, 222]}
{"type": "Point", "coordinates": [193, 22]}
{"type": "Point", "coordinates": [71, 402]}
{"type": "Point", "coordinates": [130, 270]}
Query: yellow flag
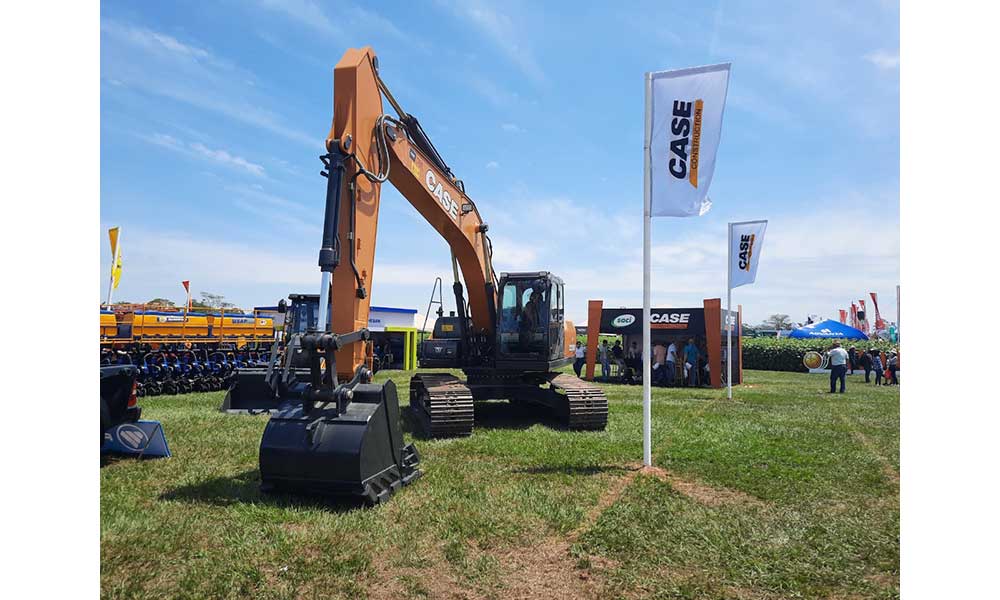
{"type": "Point", "coordinates": [116, 258]}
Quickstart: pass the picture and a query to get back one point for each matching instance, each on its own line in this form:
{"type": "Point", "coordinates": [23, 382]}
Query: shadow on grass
{"type": "Point", "coordinates": [245, 488]}
{"type": "Point", "coordinates": [574, 470]}
{"type": "Point", "coordinates": [112, 459]}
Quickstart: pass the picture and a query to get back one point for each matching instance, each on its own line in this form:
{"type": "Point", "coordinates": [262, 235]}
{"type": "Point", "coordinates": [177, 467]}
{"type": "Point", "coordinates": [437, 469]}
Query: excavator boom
{"type": "Point", "coordinates": [371, 148]}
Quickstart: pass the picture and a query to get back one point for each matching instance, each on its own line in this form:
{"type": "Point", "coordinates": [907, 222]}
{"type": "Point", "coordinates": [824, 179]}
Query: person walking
{"type": "Point", "coordinates": [852, 358]}
{"type": "Point", "coordinates": [659, 366]}
{"type": "Point", "coordinates": [838, 367]}
{"type": "Point", "coordinates": [877, 366]}
{"type": "Point", "coordinates": [893, 361]}
{"type": "Point", "coordinates": [604, 352]}
{"type": "Point", "coordinates": [618, 354]}
{"type": "Point", "coordinates": [691, 355]}
{"type": "Point", "coordinates": [581, 358]}
{"type": "Point", "coordinates": [671, 363]}
{"type": "Point", "coordinates": [866, 363]}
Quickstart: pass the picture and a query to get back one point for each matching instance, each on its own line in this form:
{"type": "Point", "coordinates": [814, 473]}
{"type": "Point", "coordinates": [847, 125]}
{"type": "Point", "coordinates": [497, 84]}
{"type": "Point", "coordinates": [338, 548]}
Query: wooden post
{"type": "Point", "coordinates": [713, 339]}
{"type": "Point", "coordinates": [594, 308]}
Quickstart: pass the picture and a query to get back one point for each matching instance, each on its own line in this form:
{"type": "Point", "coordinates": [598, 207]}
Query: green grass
{"type": "Point", "coordinates": [807, 505]}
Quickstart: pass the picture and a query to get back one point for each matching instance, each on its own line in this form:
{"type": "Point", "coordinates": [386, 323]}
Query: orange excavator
{"type": "Point", "coordinates": [509, 335]}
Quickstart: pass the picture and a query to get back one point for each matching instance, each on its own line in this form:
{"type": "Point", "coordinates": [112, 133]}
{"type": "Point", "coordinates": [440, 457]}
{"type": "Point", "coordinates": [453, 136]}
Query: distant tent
{"type": "Point", "coordinates": [828, 329]}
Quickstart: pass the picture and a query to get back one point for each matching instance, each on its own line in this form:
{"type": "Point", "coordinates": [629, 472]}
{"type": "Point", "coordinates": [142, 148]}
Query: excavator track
{"type": "Point", "coordinates": [584, 407]}
{"type": "Point", "coordinates": [443, 403]}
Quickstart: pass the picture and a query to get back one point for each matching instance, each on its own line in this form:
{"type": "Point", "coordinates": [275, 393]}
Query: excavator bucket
{"type": "Point", "coordinates": [250, 393]}
{"type": "Point", "coordinates": [353, 448]}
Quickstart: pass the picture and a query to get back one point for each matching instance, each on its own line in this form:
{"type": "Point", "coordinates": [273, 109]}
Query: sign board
{"type": "Point", "coordinates": [628, 321]}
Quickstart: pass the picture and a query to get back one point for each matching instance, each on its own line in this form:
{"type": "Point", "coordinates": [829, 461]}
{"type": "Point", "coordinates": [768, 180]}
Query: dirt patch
{"type": "Point", "coordinates": [437, 580]}
{"type": "Point", "coordinates": [547, 570]}
{"type": "Point", "coordinates": [888, 470]}
{"type": "Point", "coordinates": [742, 593]}
{"type": "Point", "coordinates": [609, 497]}
{"type": "Point", "coordinates": [883, 580]}
{"type": "Point", "coordinates": [700, 492]}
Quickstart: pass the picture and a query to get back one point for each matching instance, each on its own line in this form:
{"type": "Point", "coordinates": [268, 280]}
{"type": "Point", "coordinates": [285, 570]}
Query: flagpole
{"type": "Point", "coordinates": [897, 313]}
{"type": "Point", "coordinates": [647, 391]}
{"type": "Point", "coordinates": [729, 310]}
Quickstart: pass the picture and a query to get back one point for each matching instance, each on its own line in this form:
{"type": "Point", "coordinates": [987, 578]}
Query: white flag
{"type": "Point", "coordinates": [686, 107]}
{"type": "Point", "coordinates": [745, 242]}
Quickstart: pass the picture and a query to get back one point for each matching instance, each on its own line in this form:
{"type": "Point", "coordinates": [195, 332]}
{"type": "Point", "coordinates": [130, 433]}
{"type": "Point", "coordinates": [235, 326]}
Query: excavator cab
{"type": "Point", "coordinates": [302, 314]}
{"type": "Point", "coordinates": [530, 331]}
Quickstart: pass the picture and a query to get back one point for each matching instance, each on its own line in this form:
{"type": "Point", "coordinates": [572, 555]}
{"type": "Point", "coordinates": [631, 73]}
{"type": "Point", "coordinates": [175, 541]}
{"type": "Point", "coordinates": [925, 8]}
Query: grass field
{"type": "Point", "coordinates": [785, 492]}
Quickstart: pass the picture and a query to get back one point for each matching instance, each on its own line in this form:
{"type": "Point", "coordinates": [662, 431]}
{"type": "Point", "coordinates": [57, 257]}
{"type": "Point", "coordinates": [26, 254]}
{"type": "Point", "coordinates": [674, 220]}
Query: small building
{"type": "Point", "coordinates": [380, 317]}
{"type": "Point", "coordinates": [706, 324]}
{"type": "Point", "coordinates": [394, 336]}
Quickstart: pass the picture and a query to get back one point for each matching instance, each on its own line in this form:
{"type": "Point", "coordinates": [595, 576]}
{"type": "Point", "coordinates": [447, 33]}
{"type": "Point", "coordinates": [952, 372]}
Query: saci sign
{"type": "Point", "coordinates": [622, 321]}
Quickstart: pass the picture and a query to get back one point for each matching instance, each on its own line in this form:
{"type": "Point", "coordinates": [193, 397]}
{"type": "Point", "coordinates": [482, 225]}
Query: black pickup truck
{"type": "Point", "coordinates": [118, 401]}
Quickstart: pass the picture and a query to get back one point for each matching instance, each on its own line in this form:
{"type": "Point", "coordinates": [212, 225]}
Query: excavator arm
{"type": "Point", "coordinates": [366, 148]}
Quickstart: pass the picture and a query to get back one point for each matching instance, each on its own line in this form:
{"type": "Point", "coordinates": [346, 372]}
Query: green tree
{"type": "Point", "coordinates": [778, 321]}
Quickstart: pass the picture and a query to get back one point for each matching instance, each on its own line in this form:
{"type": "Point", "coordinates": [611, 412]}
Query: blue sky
{"type": "Point", "coordinates": [213, 116]}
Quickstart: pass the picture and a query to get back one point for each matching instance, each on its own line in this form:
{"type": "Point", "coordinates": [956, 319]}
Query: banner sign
{"type": "Point", "coordinates": [879, 323]}
{"type": "Point", "coordinates": [685, 110]}
{"type": "Point", "coordinates": [116, 257]}
{"type": "Point", "coordinates": [843, 316]}
{"type": "Point", "coordinates": [628, 321]}
{"type": "Point", "coordinates": [142, 439]}
{"type": "Point", "coordinates": [746, 240]}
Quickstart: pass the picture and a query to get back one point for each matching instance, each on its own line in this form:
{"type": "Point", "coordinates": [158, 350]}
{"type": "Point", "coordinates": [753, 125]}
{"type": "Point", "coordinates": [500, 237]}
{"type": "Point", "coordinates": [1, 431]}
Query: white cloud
{"type": "Point", "coordinates": [225, 158]}
{"type": "Point", "coordinates": [303, 12]}
{"type": "Point", "coordinates": [200, 151]}
{"type": "Point", "coordinates": [158, 64]}
{"type": "Point", "coordinates": [495, 94]}
{"type": "Point", "coordinates": [884, 59]}
{"type": "Point", "coordinates": [247, 272]}
{"type": "Point", "coordinates": [811, 262]}
{"type": "Point", "coordinates": [493, 165]}
{"type": "Point", "coordinates": [511, 128]}
{"type": "Point", "coordinates": [514, 255]}
{"type": "Point", "coordinates": [512, 38]}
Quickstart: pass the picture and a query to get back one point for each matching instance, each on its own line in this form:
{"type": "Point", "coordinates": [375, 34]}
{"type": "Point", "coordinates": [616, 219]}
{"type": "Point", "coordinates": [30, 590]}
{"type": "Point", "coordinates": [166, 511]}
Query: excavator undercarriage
{"type": "Point", "coordinates": [443, 403]}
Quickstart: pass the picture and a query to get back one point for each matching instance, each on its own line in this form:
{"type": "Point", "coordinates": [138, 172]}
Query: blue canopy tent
{"type": "Point", "coordinates": [828, 329]}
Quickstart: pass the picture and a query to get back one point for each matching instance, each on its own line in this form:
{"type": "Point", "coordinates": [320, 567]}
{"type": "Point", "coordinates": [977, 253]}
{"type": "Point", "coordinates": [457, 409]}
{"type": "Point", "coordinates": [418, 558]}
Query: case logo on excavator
{"type": "Point", "coordinates": [449, 205]}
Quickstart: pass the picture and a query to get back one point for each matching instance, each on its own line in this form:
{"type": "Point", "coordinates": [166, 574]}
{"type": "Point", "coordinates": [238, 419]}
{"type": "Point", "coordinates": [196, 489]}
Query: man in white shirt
{"type": "Point", "coordinates": [603, 353]}
{"type": "Point", "coordinates": [671, 363]}
{"type": "Point", "coordinates": [581, 358]}
{"type": "Point", "coordinates": [838, 366]}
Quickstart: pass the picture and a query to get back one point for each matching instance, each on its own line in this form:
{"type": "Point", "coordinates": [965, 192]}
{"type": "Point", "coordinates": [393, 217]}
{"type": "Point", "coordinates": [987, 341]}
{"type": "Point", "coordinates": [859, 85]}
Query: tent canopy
{"type": "Point", "coordinates": [828, 329]}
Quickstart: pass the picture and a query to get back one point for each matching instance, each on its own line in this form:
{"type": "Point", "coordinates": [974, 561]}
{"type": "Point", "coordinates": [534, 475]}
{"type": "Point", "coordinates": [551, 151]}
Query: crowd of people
{"type": "Point", "coordinates": [852, 359]}
{"type": "Point", "coordinates": [674, 362]}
